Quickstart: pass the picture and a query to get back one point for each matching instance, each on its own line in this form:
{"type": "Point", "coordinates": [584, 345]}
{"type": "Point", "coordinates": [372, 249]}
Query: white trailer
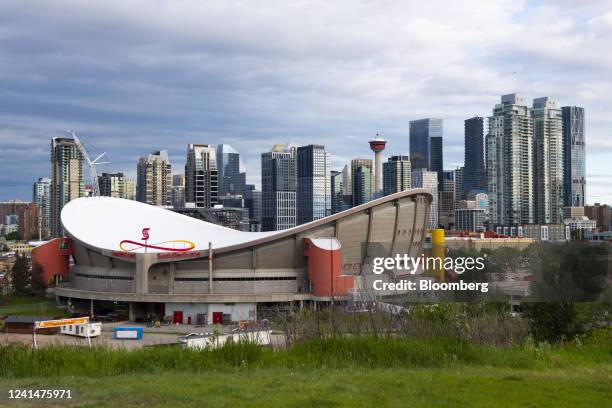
{"type": "Point", "coordinates": [82, 330]}
{"type": "Point", "coordinates": [202, 340]}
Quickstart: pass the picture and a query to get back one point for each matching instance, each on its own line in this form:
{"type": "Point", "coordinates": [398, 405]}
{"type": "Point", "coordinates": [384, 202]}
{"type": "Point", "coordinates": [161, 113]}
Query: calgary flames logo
{"type": "Point", "coordinates": [145, 234]}
{"type": "Point", "coordinates": [176, 245]}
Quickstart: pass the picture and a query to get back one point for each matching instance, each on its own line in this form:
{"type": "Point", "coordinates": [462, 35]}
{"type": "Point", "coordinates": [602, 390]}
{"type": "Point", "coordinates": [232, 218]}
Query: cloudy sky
{"type": "Point", "coordinates": [132, 76]}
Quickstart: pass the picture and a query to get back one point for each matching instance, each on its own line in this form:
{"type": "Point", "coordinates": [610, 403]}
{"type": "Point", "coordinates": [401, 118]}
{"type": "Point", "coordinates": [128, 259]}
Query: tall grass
{"type": "Point", "coordinates": [350, 352]}
{"type": "Point", "coordinates": [486, 324]}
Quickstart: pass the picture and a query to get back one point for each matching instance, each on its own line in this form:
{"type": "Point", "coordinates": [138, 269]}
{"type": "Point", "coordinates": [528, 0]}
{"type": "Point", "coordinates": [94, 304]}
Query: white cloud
{"type": "Point", "coordinates": [139, 75]}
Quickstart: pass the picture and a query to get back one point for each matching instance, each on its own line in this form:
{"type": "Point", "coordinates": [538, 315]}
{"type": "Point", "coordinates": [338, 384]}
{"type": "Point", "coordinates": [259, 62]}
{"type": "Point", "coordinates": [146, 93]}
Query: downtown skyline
{"type": "Point", "coordinates": [147, 93]}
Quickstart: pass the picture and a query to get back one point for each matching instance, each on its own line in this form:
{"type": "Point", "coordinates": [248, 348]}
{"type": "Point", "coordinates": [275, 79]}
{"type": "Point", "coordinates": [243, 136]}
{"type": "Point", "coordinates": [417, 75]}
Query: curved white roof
{"type": "Point", "coordinates": [104, 222]}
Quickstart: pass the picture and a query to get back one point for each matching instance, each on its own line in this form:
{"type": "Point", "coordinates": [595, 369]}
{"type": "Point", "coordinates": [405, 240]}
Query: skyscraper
{"type": "Point", "coordinates": [475, 175]}
{"type": "Point", "coordinates": [337, 202]}
{"type": "Point", "coordinates": [446, 199]}
{"type": "Point", "coordinates": [436, 159]}
{"type": "Point", "coordinates": [67, 182]}
{"type": "Point", "coordinates": [154, 179]}
{"type": "Point", "coordinates": [574, 163]}
{"type": "Point", "coordinates": [41, 196]}
{"type": "Point", "coordinates": [178, 191]}
{"type": "Point", "coordinates": [201, 176]}
{"type": "Point", "coordinates": [253, 203]}
{"type": "Point", "coordinates": [364, 184]}
{"type": "Point", "coordinates": [548, 161]}
{"type": "Point", "coordinates": [509, 158]}
{"type": "Point", "coordinates": [313, 183]}
{"type": "Point", "coordinates": [422, 178]}
{"type": "Point", "coordinates": [396, 174]}
{"type": "Point", "coordinates": [231, 171]}
{"type": "Point", "coordinates": [278, 189]}
{"type": "Point", "coordinates": [347, 181]}
{"type": "Point", "coordinates": [422, 154]}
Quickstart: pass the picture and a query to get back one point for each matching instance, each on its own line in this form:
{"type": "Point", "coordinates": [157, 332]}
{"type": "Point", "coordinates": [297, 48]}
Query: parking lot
{"type": "Point", "coordinates": [151, 336]}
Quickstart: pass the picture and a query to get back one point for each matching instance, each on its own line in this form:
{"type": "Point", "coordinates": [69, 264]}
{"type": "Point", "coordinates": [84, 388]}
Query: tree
{"type": "Point", "coordinates": [13, 236]}
{"type": "Point", "coordinates": [20, 276]}
{"type": "Point", "coordinates": [569, 289]}
{"type": "Point", "coordinates": [37, 281]}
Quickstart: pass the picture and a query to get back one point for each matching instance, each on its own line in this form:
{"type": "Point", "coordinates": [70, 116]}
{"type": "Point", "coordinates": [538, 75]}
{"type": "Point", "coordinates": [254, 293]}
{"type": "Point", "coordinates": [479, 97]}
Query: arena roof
{"type": "Point", "coordinates": [106, 222]}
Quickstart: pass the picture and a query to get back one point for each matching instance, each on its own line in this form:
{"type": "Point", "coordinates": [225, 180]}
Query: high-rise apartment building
{"type": "Point", "coordinates": [361, 189]}
{"type": "Point", "coordinates": [459, 183]}
{"type": "Point", "coordinates": [21, 215]}
{"type": "Point", "coordinates": [41, 196]}
{"type": "Point", "coordinates": [154, 179]}
{"type": "Point", "coordinates": [113, 185]}
{"type": "Point", "coordinates": [130, 189]}
{"type": "Point", "coordinates": [201, 176]}
{"type": "Point", "coordinates": [426, 153]}
{"type": "Point", "coordinates": [574, 163]}
{"type": "Point", "coordinates": [547, 161]}
{"type": "Point", "coordinates": [602, 214]}
{"type": "Point", "coordinates": [67, 181]}
{"type": "Point", "coordinates": [396, 175]}
{"type": "Point", "coordinates": [509, 162]}
{"type": "Point", "coordinates": [422, 178]}
{"type": "Point", "coordinates": [231, 171]}
{"type": "Point", "coordinates": [474, 178]}
{"type": "Point", "coordinates": [278, 189]}
{"type": "Point", "coordinates": [313, 183]}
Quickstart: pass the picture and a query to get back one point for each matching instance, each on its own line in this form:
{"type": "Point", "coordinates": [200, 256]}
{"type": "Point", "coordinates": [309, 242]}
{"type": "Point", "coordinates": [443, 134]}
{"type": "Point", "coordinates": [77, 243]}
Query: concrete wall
{"type": "Point", "coordinates": [239, 311]}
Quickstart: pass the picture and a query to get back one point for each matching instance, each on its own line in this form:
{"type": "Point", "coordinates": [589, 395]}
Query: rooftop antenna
{"type": "Point", "coordinates": [92, 163]}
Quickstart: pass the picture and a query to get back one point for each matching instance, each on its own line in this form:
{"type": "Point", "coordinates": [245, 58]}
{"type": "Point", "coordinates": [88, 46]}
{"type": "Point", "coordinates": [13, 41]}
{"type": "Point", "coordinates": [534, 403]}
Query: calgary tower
{"type": "Point", "coordinates": [377, 145]}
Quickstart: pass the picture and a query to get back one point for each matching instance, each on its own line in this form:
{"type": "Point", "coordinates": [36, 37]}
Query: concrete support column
{"type": "Point", "coordinates": [131, 312]}
{"type": "Point", "coordinates": [210, 269]}
{"type": "Point", "coordinates": [91, 308]}
{"type": "Point", "coordinates": [171, 278]}
{"type": "Point", "coordinates": [143, 264]}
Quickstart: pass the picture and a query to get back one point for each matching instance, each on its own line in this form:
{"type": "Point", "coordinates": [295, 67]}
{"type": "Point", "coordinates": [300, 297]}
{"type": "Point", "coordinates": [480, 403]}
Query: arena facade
{"type": "Point", "coordinates": [155, 261]}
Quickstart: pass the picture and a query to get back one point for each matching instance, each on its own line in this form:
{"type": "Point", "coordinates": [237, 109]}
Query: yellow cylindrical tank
{"type": "Point", "coordinates": [438, 250]}
{"type": "Point", "coordinates": [437, 236]}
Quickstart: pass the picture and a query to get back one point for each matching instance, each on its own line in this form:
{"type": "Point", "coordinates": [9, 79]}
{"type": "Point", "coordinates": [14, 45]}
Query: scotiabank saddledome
{"type": "Point", "coordinates": [156, 261]}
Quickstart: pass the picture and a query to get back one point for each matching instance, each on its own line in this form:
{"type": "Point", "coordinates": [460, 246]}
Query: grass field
{"type": "Point", "coordinates": [457, 387]}
{"type": "Point", "coordinates": [31, 306]}
{"type": "Point", "coordinates": [343, 372]}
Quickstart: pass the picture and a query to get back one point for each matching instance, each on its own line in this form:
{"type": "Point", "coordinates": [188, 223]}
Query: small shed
{"type": "Point", "coordinates": [25, 325]}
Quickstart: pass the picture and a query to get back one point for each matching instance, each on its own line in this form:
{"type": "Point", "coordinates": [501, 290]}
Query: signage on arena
{"type": "Point", "coordinates": [175, 245]}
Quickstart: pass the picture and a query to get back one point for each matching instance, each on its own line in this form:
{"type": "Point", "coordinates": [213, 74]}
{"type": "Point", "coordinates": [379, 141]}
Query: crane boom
{"type": "Point", "coordinates": [91, 163]}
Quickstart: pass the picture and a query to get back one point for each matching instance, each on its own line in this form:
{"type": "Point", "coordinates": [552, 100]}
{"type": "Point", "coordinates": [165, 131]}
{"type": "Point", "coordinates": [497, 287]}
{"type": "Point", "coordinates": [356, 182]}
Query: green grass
{"type": "Point", "coordinates": [31, 306]}
{"type": "Point", "coordinates": [353, 353]}
{"type": "Point", "coordinates": [337, 371]}
{"type": "Point", "coordinates": [380, 387]}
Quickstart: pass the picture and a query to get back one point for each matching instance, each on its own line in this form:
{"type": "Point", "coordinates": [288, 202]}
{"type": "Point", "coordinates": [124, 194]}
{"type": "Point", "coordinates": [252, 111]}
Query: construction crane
{"type": "Point", "coordinates": [92, 163]}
